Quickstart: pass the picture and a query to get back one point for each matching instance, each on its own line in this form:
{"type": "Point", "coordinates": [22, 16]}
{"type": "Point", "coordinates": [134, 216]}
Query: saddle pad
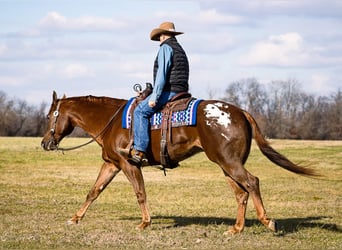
{"type": "Point", "coordinates": [185, 117]}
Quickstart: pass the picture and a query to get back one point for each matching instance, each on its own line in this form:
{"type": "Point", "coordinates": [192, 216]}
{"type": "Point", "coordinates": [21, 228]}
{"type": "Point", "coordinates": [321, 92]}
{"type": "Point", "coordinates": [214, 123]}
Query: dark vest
{"type": "Point", "coordinates": [178, 76]}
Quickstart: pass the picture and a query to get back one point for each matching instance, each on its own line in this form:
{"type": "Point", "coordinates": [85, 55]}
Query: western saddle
{"type": "Point", "coordinates": [177, 103]}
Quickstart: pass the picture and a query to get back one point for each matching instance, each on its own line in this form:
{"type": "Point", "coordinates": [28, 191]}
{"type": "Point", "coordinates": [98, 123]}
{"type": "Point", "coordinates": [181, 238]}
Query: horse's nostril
{"type": "Point", "coordinates": [44, 145]}
{"type": "Point", "coordinates": [49, 146]}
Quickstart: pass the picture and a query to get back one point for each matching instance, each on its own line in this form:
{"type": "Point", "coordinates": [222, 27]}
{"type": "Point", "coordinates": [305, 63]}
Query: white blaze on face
{"type": "Point", "coordinates": [215, 115]}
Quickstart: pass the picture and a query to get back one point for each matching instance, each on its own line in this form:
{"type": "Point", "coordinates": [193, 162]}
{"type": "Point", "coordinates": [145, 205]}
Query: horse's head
{"type": "Point", "coordinates": [59, 124]}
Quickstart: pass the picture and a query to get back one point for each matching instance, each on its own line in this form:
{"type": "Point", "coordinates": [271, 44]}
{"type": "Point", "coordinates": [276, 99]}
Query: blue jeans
{"type": "Point", "coordinates": [141, 122]}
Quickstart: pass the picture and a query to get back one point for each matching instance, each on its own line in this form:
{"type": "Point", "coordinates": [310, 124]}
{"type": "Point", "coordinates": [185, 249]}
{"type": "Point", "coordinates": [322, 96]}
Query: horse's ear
{"type": "Point", "coordinates": [64, 96]}
{"type": "Point", "coordinates": [54, 96]}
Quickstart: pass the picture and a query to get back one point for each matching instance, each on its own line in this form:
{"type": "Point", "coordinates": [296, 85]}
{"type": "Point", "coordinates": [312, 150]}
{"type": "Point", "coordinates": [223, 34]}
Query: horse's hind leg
{"type": "Point", "coordinates": [259, 206]}
{"type": "Point", "coordinates": [241, 198]}
{"type": "Point", "coordinates": [106, 175]}
{"type": "Point", "coordinates": [249, 184]}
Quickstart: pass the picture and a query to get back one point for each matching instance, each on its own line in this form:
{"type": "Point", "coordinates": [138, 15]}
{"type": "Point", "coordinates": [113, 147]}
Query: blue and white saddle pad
{"type": "Point", "coordinates": [185, 117]}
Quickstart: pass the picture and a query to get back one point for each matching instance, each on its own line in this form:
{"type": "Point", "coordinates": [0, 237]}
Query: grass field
{"type": "Point", "coordinates": [191, 206]}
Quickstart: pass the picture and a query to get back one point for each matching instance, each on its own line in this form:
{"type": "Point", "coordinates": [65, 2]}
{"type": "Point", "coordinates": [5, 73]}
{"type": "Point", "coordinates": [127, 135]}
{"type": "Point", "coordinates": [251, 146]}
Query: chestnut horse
{"type": "Point", "coordinates": [223, 131]}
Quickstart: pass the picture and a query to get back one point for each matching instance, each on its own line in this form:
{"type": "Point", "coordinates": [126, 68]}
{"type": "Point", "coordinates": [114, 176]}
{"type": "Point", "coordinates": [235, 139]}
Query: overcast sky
{"type": "Point", "coordinates": [98, 47]}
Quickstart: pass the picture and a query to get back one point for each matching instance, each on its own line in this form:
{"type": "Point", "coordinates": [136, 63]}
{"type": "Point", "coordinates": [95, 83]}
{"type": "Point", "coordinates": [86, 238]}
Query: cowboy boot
{"type": "Point", "coordinates": [134, 156]}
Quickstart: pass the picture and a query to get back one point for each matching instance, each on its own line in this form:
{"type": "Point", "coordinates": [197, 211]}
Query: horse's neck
{"type": "Point", "coordinates": [93, 116]}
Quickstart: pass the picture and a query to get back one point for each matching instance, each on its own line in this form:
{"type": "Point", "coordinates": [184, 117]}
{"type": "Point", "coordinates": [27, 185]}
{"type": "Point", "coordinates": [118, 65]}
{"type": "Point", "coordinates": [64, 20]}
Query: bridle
{"type": "Point", "coordinates": [55, 115]}
{"type": "Point", "coordinates": [53, 129]}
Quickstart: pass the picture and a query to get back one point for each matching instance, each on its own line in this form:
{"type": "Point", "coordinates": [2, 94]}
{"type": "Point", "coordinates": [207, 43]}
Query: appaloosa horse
{"type": "Point", "coordinates": [223, 132]}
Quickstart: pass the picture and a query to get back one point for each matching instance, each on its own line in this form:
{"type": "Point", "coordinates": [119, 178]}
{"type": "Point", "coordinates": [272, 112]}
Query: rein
{"type": "Point", "coordinates": [56, 113]}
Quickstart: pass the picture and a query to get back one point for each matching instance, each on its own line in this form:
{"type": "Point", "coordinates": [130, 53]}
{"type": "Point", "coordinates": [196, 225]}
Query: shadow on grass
{"type": "Point", "coordinates": [285, 226]}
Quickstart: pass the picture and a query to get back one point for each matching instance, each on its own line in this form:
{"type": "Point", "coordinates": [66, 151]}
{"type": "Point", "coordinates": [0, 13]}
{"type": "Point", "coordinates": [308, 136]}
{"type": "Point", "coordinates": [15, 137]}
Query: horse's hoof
{"type": "Point", "coordinates": [143, 225]}
{"type": "Point", "coordinates": [232, 231]}
{"type": "Point", "coordinates": [72, 221]}
{"type": "Point", "coordinates": [273, 225]}
{"type": "Point", "coordinates": [228, 233]}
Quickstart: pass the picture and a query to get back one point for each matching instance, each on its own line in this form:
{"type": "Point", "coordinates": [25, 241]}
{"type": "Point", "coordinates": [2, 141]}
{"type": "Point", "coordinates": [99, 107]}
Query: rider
{"type": "Point", "coordinates": [170, 75]}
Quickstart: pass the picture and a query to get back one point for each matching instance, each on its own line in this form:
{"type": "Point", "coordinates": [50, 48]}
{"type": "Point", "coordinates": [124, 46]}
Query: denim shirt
{"type": "Point", "coordinates": [165, 54]}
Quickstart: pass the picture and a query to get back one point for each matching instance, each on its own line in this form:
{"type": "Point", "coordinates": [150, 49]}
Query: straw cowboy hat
{"type": "Point", "coordinates": [167, 28]}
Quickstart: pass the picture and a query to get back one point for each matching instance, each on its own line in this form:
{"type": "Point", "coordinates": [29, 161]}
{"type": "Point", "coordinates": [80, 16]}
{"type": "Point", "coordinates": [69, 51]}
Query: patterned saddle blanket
{"type": "Point", "coordinates": [180, 118]}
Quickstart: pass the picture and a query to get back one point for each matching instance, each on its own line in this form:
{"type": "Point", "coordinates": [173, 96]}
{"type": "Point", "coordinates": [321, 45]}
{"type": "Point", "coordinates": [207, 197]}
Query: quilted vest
{"type": "Point", "coordinates": [178, 76]}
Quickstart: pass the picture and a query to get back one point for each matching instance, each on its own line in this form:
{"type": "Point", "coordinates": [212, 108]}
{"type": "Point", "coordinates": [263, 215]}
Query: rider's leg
{"type": "Point", "coordinates": [141, 120]}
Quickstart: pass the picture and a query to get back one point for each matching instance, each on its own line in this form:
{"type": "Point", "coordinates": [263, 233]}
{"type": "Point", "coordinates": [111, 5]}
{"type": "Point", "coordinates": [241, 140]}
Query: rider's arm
{"type": "Point", "coordinates": [164, 63]}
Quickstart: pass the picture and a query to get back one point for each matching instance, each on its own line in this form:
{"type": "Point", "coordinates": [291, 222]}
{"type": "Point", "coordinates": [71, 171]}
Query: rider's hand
{"type": "Point", "coordinates": [151, 104]}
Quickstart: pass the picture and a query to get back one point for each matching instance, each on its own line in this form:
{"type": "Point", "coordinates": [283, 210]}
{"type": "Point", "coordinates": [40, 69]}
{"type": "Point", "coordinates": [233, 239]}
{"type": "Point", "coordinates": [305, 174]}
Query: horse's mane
{"type": "Point", "coordinates": [102, 100]}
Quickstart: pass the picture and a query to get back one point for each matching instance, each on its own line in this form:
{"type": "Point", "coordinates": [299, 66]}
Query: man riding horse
{"type": "Point", "coordinates": [170, 75]}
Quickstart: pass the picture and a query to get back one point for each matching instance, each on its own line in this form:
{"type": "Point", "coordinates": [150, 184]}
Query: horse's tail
{"type": "Point", "coordinates": [273, 155]}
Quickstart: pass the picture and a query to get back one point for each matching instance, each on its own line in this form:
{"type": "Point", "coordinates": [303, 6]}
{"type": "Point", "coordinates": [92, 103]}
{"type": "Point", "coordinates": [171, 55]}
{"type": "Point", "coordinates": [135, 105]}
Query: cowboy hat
{"type": "Point", "coordinates": [167, 28]}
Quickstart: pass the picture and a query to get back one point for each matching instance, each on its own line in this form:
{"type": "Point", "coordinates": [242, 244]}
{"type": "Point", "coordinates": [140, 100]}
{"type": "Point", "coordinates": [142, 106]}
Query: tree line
{"type": "Point", "coordinates": [282, 109]}
{"type": "Point", "coordinates": [18, 118]}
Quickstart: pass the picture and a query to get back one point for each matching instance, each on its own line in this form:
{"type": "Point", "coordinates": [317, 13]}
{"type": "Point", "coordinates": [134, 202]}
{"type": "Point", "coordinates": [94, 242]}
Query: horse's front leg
{"type": "Point", "coordinates": [107, 173]}
{"type": "Point", "coordinates": [134, 175]}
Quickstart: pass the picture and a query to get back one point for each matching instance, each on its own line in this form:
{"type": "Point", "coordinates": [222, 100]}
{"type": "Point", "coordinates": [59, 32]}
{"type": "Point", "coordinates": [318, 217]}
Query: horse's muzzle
{"type": "Point", "coordinates": [49, 145]}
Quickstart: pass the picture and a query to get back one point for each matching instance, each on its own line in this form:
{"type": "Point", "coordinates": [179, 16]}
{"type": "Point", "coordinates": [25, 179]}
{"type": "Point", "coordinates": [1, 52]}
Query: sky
{"type": "Point", "coordinates": [103, 47]}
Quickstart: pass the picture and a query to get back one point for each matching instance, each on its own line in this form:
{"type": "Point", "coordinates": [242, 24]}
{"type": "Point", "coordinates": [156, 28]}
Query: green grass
{"type": "Point", "coordinates": [191, 207]}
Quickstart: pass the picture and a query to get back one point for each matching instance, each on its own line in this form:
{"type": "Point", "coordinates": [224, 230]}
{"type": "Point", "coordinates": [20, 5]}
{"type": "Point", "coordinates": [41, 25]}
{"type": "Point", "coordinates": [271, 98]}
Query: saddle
{"type": "Point", "coordinates": [178, 103]}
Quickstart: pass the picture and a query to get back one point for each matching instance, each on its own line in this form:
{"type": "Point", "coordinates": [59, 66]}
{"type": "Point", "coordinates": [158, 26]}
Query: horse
{"type": "Point", "coordinates": [223, 131]}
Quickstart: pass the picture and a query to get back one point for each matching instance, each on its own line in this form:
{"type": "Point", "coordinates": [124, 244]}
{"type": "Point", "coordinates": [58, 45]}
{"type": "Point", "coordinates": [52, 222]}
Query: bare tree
{"type": "Point", "coordinates": [40, 120]}
{"type": "Point", "coordinates": [282, 106]}
{"type": "Point", "coordinates": [334, 116]}
{"type": "Point", "coordinates": [248, 94]}
{"type": "Point", "coordinates": [20, 119]}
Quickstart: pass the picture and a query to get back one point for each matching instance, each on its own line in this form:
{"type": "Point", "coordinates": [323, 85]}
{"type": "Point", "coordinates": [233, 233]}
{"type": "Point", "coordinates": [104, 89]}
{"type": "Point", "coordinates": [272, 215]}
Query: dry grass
{"type": "Point", "coordinates": [191, 207]}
